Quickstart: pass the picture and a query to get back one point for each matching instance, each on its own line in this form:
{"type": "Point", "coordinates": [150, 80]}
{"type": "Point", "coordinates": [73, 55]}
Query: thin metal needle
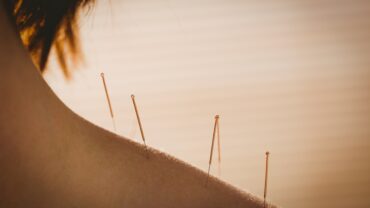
{"type": "Point", "coordinates": [138, 120]}
{"type": "Point", "coordinates": [213, 141]}
{"type": "Point", "coordinates": [266, 175]}
{"type": "Point", "coordinates": [219, 147]}
{"type": "Point", "coordinates": [108, 100]}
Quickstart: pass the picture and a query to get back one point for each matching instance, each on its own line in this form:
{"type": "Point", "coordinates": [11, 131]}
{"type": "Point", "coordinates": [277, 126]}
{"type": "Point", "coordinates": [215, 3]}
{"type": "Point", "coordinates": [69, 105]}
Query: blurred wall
{"type": "Point", "coordinates": [291, 77]}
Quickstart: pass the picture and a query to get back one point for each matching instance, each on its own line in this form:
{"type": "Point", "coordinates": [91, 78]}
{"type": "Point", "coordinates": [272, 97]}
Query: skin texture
{"type": "Point", "coordinates": [50, 157]}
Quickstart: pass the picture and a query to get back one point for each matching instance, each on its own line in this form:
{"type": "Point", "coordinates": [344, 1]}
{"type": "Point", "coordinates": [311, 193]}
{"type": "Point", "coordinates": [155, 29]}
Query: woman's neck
{"type": "Point", "coordinates": [25, 97]}
{"type": "Point", "coordinates": [34, 123]}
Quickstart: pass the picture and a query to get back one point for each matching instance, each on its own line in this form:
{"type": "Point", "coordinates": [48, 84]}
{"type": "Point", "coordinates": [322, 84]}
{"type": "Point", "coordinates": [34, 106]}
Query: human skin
{"type": "Point", "coordinates": [51, 157]}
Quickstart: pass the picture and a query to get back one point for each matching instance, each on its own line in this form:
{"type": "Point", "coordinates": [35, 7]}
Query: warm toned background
{"type": "Point", "coordinates": [289, 76]}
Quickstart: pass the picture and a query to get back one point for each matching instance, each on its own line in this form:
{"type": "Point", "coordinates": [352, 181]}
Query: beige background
{"type": "Point", "coordinates": [292, 77]}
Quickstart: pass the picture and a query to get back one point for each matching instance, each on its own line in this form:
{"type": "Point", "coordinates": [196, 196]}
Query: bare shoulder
{"type": "Point", "coordinates": [137, 176]}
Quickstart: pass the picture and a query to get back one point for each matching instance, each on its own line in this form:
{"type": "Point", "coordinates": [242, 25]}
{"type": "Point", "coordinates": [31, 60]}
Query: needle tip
{"type": "Point", "coordinates": [132, 96]}
{"type": "Point", "coordinates": [102, 74]}
{"type": "Point", "coordinates": [267, 153]}
{"type": "Point", "coordinates": [217, 116]}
